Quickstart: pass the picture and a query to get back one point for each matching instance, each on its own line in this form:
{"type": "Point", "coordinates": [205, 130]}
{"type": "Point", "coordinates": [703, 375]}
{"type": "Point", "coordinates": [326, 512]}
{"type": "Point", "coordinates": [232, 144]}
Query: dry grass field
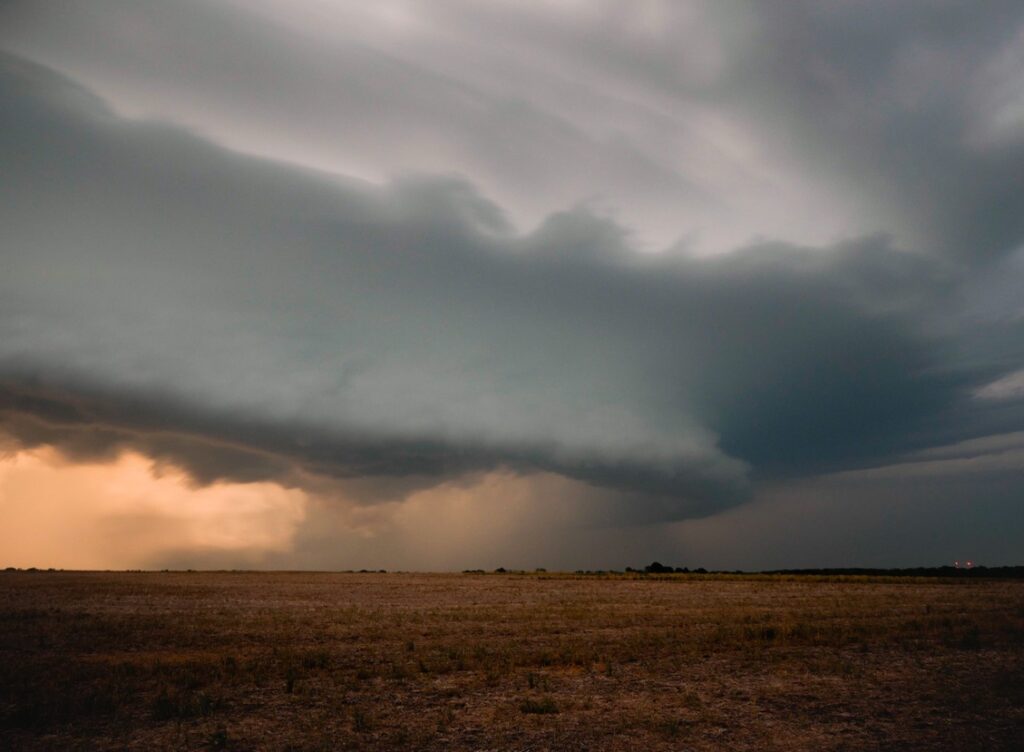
{"type": "Point", "coordinates": [294, 661]}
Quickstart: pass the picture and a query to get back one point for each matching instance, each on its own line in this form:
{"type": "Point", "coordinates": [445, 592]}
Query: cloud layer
{"type": "Point", "coordinates": [243, 244]}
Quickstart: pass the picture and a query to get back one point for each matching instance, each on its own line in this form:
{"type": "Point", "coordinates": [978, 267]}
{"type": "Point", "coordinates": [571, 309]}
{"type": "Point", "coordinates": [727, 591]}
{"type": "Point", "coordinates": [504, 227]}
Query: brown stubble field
{"type": "Point", "coordinates": [299, 661]}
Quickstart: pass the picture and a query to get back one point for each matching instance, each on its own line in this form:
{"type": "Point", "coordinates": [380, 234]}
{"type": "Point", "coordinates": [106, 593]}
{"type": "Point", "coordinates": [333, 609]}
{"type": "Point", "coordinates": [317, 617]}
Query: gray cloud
{"type": "Point", "coordinates": [714, 123]}
{"type": "Point", "coordinates": [183, 283]}
{"type": "Point", "coordinates": [898, 100]}
{"type": "Point", "coordinates": [405, 330]}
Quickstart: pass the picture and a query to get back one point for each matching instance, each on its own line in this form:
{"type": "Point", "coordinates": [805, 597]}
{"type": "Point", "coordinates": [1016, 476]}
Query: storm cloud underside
{"type": "Point", "coordinates": [255, 312]}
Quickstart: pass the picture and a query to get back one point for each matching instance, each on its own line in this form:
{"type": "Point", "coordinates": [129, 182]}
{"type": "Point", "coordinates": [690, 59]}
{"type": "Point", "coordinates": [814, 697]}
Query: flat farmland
{"type": "Point", "coordinates": [323, 661]}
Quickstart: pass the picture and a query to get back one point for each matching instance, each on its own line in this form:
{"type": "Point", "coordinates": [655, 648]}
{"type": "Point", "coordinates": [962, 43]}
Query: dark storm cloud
{"type": "Point", "coordinates": [249, 319]}
{"type": "Point", "coordinates": [387, 333]}
{"type": "Point", "coordinates": [917, 102]}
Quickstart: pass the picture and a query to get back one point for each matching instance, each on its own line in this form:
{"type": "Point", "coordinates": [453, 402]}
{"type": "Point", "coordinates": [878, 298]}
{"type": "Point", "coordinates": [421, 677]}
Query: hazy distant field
{"type": "Point", "coordinates": [478, 662]}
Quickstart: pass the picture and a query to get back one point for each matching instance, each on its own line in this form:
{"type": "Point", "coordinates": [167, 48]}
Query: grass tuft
{"type": "Point", "coordinates": [543, 706]}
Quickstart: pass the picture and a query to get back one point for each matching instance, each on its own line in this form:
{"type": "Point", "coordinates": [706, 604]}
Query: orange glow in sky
{"type": "Point", "coordinates": [123, 514]}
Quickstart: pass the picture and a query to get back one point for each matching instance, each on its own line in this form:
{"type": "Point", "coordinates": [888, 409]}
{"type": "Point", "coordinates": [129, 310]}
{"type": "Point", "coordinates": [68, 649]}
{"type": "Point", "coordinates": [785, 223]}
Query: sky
{"type": "Point", "coordinates": [445, 285]}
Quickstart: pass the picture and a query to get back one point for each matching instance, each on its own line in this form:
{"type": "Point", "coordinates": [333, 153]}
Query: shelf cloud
{"type": "Point", "coordinates": [358, 253]}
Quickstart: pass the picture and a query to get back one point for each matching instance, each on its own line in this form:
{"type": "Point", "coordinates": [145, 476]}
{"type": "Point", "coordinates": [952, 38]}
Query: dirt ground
{"type": "Point", "coordinates": [301, 661]}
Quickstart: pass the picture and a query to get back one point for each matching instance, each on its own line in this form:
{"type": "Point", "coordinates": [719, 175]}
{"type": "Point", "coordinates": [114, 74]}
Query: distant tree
{"type": "Point", "coordinates": [658, 568]}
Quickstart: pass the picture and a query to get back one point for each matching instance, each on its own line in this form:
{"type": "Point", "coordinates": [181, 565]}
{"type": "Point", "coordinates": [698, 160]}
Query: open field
{"type": "Point", "coordinates": [294, 661]}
